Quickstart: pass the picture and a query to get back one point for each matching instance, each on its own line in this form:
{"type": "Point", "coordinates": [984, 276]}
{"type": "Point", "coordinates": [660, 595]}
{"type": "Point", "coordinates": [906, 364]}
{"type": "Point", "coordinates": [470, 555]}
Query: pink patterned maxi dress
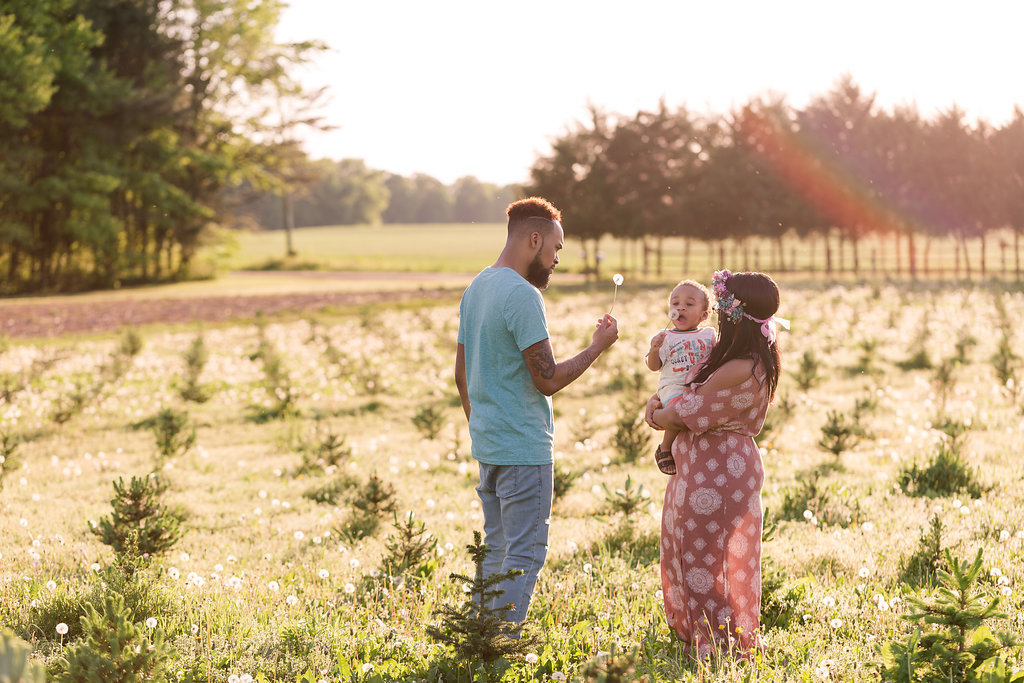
{"type": "Point", "coordinates": [711, 523]}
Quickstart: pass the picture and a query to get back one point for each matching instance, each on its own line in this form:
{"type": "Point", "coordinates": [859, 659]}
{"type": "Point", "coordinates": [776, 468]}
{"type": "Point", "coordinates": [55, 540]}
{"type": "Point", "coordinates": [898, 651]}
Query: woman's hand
{"type": "Point", "coordinates": [653, 404]}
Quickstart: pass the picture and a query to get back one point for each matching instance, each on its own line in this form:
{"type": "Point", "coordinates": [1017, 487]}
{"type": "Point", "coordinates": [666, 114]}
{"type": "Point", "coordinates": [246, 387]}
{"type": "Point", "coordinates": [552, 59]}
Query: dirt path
{"type": "Point", "coordinates": [25, 319]}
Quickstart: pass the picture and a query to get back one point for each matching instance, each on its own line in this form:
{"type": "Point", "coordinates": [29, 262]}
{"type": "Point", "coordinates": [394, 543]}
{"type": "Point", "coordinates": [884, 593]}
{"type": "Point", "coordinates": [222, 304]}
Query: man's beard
{"type": "Point", "coordinates": [537, 275]}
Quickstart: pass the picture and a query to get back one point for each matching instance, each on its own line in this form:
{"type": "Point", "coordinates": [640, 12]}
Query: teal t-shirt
{"type": "Point", "coordinates": [510, 421]}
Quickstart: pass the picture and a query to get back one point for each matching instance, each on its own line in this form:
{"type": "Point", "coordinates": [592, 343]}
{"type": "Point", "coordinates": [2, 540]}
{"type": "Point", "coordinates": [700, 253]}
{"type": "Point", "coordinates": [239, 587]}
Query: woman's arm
{"type": "Point", "coordinates": [732, 373]}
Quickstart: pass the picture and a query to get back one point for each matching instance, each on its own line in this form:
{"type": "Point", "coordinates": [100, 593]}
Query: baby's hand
{"type": "Point", "coordinates": [657, 340]}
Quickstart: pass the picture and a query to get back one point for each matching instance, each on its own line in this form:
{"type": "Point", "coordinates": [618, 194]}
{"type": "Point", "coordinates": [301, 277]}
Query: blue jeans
{"type": "Point", "coordinates": [516, 500]}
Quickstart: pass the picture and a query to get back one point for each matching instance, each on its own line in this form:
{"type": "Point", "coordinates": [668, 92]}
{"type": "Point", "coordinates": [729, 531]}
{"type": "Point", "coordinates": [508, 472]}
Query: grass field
{"type": "Point", "coordinates": [269, 580]}
{"type": "Point", "coordinates": [462, 248]}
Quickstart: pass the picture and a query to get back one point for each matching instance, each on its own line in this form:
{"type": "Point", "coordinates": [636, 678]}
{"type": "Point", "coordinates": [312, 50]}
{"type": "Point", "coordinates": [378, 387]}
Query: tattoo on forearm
{"type": "Point", "coordinates": [576, 366]}
{"type": "Point", "coordinates": [542, 362]}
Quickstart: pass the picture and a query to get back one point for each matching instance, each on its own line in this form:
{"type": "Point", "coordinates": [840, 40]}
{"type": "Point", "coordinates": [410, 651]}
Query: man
{"type": "Point", "coordinates": [506, 373]}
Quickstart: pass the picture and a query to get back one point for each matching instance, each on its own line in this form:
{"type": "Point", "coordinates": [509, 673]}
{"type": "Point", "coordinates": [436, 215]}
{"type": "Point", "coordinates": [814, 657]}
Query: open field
{"type": "Point", "coordinates": [466, 248]}
{"type": "Point", "coordinates": [267, 581]}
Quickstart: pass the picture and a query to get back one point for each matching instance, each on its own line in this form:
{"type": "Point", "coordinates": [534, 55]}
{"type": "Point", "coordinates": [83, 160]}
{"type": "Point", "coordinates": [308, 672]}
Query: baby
{"type": "Point", "coordinates": [674, 351]}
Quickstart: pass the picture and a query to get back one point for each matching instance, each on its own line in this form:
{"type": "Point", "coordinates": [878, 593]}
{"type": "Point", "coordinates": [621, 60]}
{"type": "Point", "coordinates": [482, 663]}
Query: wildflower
{"type": "Point", "coordinates": [353, 563]}
{"type": "Point", "coordinates": [349, 588]}
{"type": "Point", "coordinates": [836, 623]}
{"type": "Point", "coordinates": [367, 668]}
{"type": "Point", "coordinates": [883, 605]}
{"type": "Point", "coordinates": [299, 535]}
{"type": "Point", "coordinates": [587, 567]}
{"type": "Point", "coordinates": [292, 600]}
{"type": "Point", "coordinates": [195, 629]}
{"type": "Point", "coordinates": [828, 601]}
{"type": "Point", "coordinates": [62, 628]}
{"type": "Point", "coordinates": [95, 566]}
{"type": "Point", "coordinates": [173, 573]}
{"type": "Point", "coordinates": [532, 658]}
{"type": "Point", "coordinates": [274, 586]}
{"type": "Point", "coordinates": [808, 514]}
{"type": "Point", "coordinates": [245, 678]}
{"type": "Point", "coordinates": [51, 584]}
{"type": "Point", "coordinates": [864, 572]}
{"type": "Point", "coordinates": [1004, 535]}
{"type": "Point", "coordinates": [233, 678]}
{"type": "Point", "coordinates": [1007, 591]}
{"type": "Point", "coordinates": [323, 573]}
{"type": "Point", "coordinates": [660, 595]}
{"type": "Point", "coordinates": [558, 676]}
{"type": "Point", "coordinates": [868, 526]}
{"type": "Point", "coordinates": [151, 622]}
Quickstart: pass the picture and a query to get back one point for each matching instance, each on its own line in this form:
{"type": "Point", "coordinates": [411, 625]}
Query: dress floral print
{"type": "Point", "coordinates": [712, 518]}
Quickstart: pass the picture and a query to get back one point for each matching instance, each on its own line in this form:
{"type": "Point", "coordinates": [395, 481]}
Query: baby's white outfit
{"type": "Point", "coordinates": [680, 351]}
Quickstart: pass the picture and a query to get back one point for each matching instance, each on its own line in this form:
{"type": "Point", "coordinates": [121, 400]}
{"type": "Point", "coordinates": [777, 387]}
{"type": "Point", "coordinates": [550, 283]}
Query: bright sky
{"type": "Point", "coordinates": [480, 87]}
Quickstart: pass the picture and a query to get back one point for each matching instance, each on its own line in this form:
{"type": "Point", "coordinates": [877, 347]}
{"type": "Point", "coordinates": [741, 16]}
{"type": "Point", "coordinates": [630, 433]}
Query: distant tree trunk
{"type": "Point", "coordinates": [828, 255]}
{"type": "Point", "coordinates": [780, 254]}
{"type": "Point", "coordinates": [874, 262]}
{"type": "Point", "coordinates": [925, 262]}
{"type": "Point", "coordinates": [967, 260]}
{"type": "Point", "coordinates": [598, 257]}
{"type": "Point", "coordinates": [660, 254]}
{"type": "Point", "coordinates": [982, 264]}
{"type": "Point", "coordinates": [854, 247]}
{"type": "Point", "coordinates": [1016, 254]}
{"type": "Point", "coordinates": [896, 251]}
{"type": "Point", "coordinates": [911, 257]}
{"type": "Point", "coordinates": [646, 248]}
{"type": "Point", "coordinates": [956, 259]}
{"type": "Point", "coordinates": [721, 255]}
{"type": "Point", "coordinates": [289, 222]}
{"type": "Point", "coordinates": [687, 242]}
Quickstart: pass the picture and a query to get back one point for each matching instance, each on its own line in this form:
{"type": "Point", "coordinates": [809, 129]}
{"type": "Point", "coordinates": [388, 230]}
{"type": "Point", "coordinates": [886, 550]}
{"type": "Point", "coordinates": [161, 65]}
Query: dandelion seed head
{"type": "Point", "coordinates": [62, 628]}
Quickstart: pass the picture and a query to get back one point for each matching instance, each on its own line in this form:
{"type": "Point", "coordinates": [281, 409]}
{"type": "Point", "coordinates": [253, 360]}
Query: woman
{"type": "Point", "coordinates": [711, 522]}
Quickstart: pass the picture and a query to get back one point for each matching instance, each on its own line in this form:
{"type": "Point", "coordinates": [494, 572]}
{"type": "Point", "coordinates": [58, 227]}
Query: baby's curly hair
{"type": "Point", "coordinates": [696, 285]}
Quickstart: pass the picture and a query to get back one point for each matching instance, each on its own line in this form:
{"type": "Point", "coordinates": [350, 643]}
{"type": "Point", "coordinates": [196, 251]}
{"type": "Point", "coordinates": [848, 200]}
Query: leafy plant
{"type": "Point", "coordinates": [780, 595]}
{"type": "Point", "coordinates": [141, 525]}
{"type": "Point", "coordinates": [959, 643]}
{"type": "Point", "coordinates": [477, 630]}
{"type": "Point", "coordinates": [331, 492]}
{"type": "Point", "coordinates": [824, 503]}
{"type": "Point", "coordinates": [918, 358]}
{"type": "Point", "coordinates": [867, 358]}
{"type": "Point", "coordinates": [324, 451]}
{"type": "Point", "coordinates": [113, 649]}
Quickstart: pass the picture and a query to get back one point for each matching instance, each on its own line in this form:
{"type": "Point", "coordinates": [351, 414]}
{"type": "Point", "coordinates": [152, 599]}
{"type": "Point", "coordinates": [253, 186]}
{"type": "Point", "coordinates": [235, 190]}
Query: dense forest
{"type": "Point", "coordinates": [134, 132]}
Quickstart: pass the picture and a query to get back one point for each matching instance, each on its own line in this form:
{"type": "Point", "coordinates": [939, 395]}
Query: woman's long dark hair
{"type": "Point", "coordinates": [760, 298]}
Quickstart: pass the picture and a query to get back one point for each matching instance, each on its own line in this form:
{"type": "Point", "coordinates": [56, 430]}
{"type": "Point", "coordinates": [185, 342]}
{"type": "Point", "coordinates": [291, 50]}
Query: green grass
{"type": "Point", "coordinates": [253, 539]}
{"type": "Point", "coordinates": [466, 248]}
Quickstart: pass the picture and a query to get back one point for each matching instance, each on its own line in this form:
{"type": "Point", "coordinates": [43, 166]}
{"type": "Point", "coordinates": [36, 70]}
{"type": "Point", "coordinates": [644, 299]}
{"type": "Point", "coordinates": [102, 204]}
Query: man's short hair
{"type": "Point", "coordinates": [530, 212]}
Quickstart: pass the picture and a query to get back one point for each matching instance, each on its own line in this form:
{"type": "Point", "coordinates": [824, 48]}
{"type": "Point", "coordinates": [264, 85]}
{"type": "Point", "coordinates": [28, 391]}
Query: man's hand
{"type": "Point", "coordinates": [607, 332]}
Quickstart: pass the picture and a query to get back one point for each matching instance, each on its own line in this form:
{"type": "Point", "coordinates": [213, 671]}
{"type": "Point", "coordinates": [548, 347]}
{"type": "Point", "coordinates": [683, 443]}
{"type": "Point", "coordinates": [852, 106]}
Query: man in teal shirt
{"type": "Point", "coordinates": [506, 373]}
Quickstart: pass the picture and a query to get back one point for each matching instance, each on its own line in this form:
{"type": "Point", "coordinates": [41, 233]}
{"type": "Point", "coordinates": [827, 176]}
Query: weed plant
{"type": "Point", "coordinates": [808, 372]}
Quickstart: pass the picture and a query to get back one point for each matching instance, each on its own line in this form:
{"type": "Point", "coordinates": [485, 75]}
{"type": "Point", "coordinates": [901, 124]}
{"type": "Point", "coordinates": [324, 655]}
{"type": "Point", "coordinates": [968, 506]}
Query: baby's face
{"type": "Point", "coordinates": [687, 307]}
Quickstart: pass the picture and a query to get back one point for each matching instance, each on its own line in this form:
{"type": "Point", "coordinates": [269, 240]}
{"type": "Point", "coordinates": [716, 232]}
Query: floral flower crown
{"type": "Point", "coordinates": [728, 306]}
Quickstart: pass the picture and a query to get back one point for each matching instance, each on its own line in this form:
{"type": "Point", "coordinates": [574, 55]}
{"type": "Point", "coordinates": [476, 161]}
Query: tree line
{"type": "Point", "coordinates": [121, 125]}
{"type": "Point", "coordinates": [840, 168]}
{"type": "Point", "coordinates": [347, 192]}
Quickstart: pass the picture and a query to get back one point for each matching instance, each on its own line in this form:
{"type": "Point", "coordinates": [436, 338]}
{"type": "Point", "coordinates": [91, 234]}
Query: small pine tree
{"type": "Point", "coordinates": [8, 461]}
{"type": "Point", "coordinates": [808, 372]}
{"type": "Point", "coordinates": [632, 437]}
{"type": "Point", "coordinates": [175, 434]}
{"type": "Point", "coordinates": [477, 631]}
{"type": "Point", "coordinates": [613, 667]}
{"type": "Point", "coordinates": [16, 666]}
{"type": "Point", "coordinates": [374, 499]}
{"type": "Point", "coordinates": [960, 645]}
{"type": "Point", "coordinates": [113, 649]}
{"type": "Point", "coordinates": [921, 568]}
{"type": "Point", "coordinates": [838, 434]}
{"type": "Point", "coordinates": [627, 500]}
{"type": "Point", "coordinates": [196, 357]}
{"type": "Point", "coordinates": [429, 420]}
{"type": "Point", "coordinates": [410, 549]}
{"type": "Point", "coordinates": [141, 525]}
